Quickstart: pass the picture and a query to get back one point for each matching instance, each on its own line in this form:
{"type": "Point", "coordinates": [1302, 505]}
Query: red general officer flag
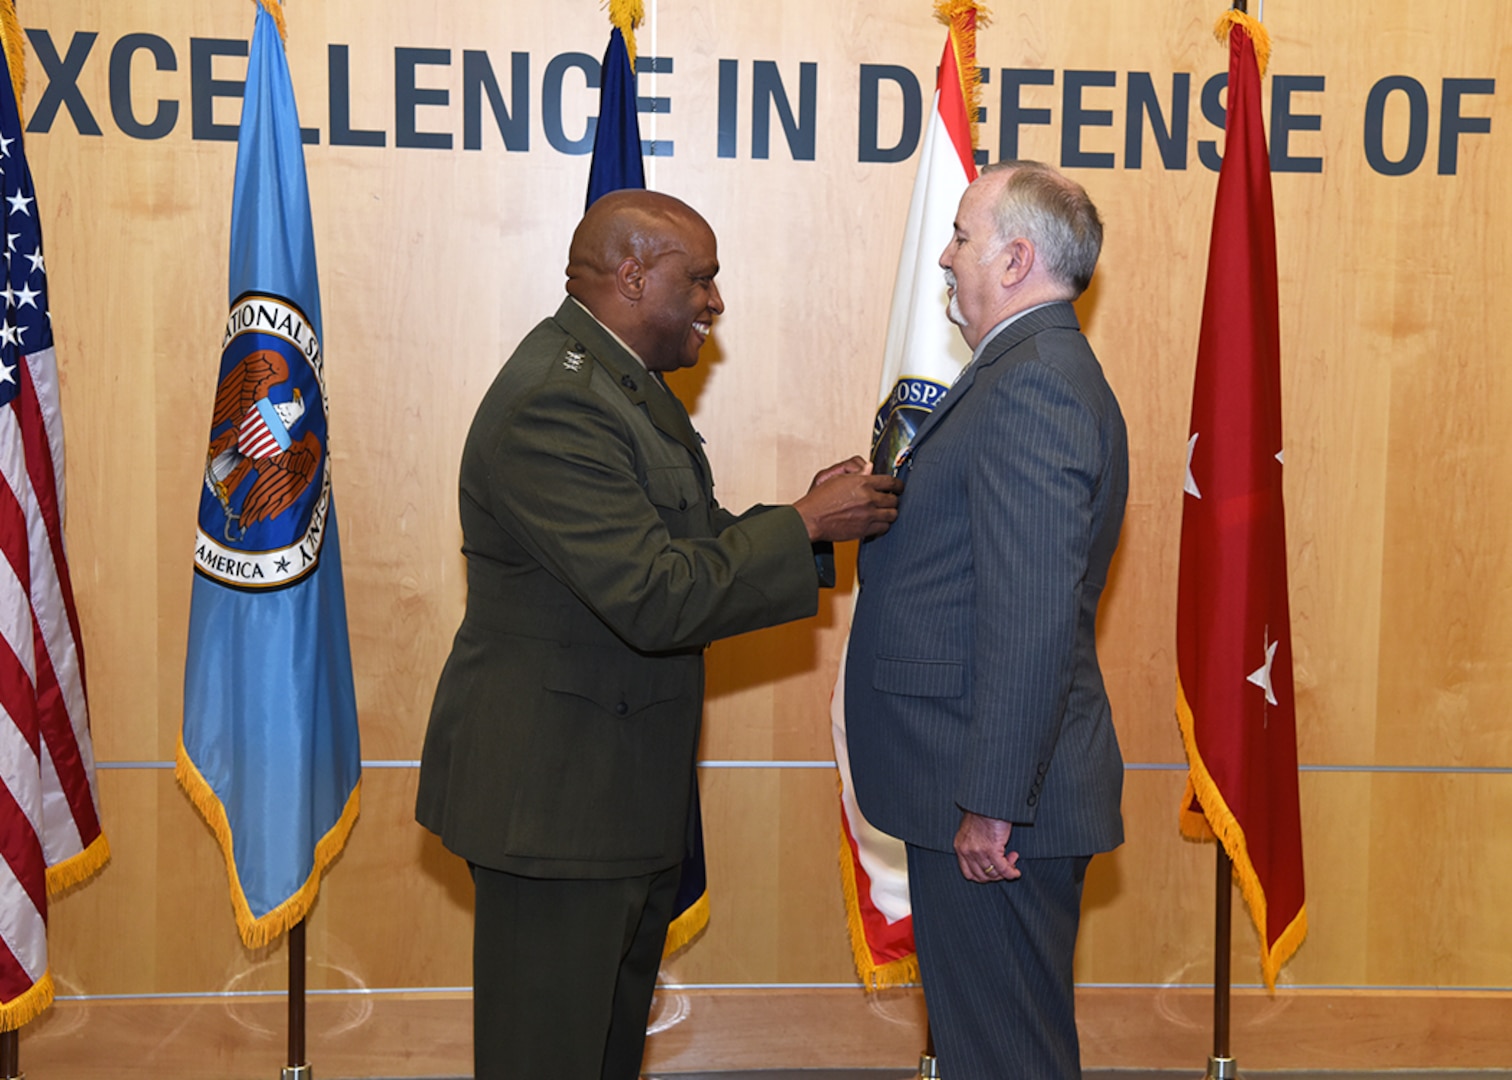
{"type": "Point", "coordinates": [1234, 694]}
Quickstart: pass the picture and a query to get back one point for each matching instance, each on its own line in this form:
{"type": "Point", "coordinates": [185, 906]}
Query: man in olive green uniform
{"type": "Point", "coordinates": [560, 755]}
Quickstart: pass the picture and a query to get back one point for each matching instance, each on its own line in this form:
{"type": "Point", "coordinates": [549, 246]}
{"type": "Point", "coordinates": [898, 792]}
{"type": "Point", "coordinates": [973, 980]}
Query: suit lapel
{"type": "Point", "coordinates": [954, 394]}
{"type": "Point", "coordinates": [1053, 316]}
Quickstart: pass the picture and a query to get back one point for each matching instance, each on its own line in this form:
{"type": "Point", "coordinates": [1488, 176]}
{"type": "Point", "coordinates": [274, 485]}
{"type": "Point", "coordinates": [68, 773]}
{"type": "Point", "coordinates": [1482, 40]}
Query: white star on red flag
{"type": "Point", "coordinates": [1261, 676]}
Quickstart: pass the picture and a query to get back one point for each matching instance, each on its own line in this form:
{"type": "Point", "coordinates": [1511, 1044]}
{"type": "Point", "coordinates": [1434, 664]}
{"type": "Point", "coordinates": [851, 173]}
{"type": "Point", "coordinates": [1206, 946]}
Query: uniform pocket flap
{"type": "Point", "coordinates": [673, 487]}
{"type": "Point", "coordinates": [919, 678]}
{"type": "Point", "coordinates": [624, 692]}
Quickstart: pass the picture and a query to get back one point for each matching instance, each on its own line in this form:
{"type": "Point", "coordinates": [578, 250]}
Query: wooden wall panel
{"type": "Point", "coordinates": [434, 264]}
{"type": "Point", "coordinates": [394, 913]}
{"type": "Point", "coordinates": [775, 913]}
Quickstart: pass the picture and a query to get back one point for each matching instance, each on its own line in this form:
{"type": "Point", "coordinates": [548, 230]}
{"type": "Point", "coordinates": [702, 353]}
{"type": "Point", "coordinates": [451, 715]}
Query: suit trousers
{"type": "Point", "coordinates": [996, 961]}
{"type": "Point", "coordinates": [564, 971]}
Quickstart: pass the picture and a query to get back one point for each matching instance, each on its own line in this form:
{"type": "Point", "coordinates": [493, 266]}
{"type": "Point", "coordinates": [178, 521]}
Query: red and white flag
{"type": "Point", "coordinates": [50, 834]}
{"type": "Point", "coordinates": [1234, 695]}
{"type": "Point", "coordinates": [923, 355]}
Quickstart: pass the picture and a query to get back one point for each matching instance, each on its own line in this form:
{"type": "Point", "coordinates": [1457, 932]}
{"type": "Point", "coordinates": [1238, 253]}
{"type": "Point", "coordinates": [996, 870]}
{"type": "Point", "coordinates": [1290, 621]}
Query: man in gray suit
{"type": "Point", "coordinates": [559, 760]}
{"type": "Point", "coordinates": [980, 733]}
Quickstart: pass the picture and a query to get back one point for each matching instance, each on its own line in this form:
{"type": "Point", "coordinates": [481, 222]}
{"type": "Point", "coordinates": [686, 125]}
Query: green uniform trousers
{"type": "Point", "coordinates": [557, 964]}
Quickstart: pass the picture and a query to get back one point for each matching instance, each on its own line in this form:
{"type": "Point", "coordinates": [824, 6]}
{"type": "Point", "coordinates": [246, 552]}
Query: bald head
{"type": "Point", "coordinates": [644, 263]}
{"type": "Point", "coordinates": [620, 225]}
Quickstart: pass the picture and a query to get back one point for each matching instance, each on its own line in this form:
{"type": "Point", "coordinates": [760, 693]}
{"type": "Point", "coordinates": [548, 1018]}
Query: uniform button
{"type": "Point", "coordinates": [627, 382]}
{"type": "Point", "coordinates": [621, 709]}
{"type": "Point", "coordinates": [682, 504]}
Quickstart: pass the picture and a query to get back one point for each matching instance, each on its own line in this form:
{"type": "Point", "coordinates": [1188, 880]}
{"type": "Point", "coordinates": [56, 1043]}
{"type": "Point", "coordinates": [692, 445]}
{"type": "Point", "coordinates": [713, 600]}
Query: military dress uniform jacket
{"type": "Point", "coordinates": [563, 736]}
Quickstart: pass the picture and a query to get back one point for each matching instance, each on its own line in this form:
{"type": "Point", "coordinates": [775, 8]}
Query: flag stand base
{"type": "Point", "coordinates": [297, 1072]}
{"type": "Point", "coordinates": [929, 1069]}
{"type": "Point", "coordinates": [1222, 1068]}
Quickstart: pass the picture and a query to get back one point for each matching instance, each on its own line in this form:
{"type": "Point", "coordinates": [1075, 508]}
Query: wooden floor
{"type": "Point", "coordinates": [775, 1034]}
{"type": "Point", "coordinates": [1094, 1074]}
{"type": "Point", "coordinates": [1090, 1074]}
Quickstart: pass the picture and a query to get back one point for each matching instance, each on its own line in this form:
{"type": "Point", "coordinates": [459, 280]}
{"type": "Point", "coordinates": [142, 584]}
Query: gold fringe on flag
{"type": "Point", "coordinates": [257, 932]}
{"type": "Point", "coordinates": [1218, 820]}
{"type": "Point", "coordinates": [275, 9]}
{"type": "Point", "coordinates": [1251, 26]}
{"type": "Point", "coordinates": [80, 868]}
{"type": "Point", "coordinates": [874, 976]}
{"type": "Point", "coordinates": [627, 15]}
{"type": "Point", "coordinates": [15, 1015]}
{"type": "Point", "coordinates": [965, 17]}
{"type": "Point", "coordinates": [687, 926]}
{"type": "Point", "coordinates": [15, 57]}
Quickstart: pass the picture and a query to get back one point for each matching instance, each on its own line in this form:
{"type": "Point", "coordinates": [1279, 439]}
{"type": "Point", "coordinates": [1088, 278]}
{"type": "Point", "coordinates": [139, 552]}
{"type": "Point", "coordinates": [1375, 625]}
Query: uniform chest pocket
{"type": "Point", "coordinates": [677, 495]}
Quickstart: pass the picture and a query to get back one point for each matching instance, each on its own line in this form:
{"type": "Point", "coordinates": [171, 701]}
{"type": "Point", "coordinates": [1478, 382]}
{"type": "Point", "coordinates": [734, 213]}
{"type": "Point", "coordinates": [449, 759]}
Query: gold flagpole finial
{"type": "Point", "coordinates": [1237, 16]}
{"type": "Point", "coordinates": [627, 15]}
{"type": "Point", "coordinates": [965, 17]}
{"type": "Point", "coordinates": [15, 48]}
{"type": "Point", "coordinates": [275, 9]}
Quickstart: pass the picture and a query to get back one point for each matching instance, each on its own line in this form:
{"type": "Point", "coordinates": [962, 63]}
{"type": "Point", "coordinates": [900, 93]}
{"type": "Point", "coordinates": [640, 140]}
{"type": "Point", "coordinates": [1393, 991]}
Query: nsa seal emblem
{"type": "Point", "coordinates": [898, 420]}
{"type": "Point", "coordinates": [267, 487]}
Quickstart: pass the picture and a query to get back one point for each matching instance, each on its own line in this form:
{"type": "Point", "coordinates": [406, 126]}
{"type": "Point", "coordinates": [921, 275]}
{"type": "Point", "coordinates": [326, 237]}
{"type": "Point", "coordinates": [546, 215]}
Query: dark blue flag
{"type": "Point", "coordinates": [616, 165]}
{"type": "Point", "coordinates": [616, 144]}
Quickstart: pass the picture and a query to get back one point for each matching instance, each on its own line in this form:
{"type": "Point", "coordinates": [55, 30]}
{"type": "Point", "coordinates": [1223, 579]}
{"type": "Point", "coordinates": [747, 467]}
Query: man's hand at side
{"type": "Point", "coordinates": [981, 848]}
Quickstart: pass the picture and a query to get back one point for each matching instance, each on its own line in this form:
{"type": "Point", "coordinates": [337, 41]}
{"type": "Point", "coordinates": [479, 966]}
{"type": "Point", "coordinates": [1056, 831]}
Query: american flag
{"type": "Point", "coordinates": [50, 834]}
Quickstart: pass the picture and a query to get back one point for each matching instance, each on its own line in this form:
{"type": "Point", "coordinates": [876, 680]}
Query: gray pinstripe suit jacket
{"type": "Point", "coordinates": [972, 679]}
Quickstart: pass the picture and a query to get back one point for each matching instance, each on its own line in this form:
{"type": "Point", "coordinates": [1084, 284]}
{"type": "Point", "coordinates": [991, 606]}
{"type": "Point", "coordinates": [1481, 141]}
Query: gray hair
{"type": "Point", "coordinates": [1053, 213]}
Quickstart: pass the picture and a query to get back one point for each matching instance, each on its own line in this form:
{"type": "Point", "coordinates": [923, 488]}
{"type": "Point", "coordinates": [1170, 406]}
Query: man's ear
{"type": "Point", "coordinates": [1019, 256]}
{"type": "Point", "coordinates": [630, 278]}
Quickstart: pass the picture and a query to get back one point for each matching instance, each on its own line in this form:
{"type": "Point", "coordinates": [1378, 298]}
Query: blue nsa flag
{"type": "Point", "coordinates": [270, 750]}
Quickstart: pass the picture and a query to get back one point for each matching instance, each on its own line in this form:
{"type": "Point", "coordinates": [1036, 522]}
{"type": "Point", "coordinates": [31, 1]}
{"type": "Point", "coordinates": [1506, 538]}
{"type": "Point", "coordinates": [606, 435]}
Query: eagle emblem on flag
{"type": "Point", "coordinates": [260, 440]}
{"type": "Point", "coordinates": [266, 486]}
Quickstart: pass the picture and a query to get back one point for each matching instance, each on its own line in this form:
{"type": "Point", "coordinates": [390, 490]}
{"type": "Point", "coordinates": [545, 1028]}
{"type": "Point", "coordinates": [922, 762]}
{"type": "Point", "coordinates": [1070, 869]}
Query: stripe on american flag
{"type": "Point", "coordinates": [49, 817]}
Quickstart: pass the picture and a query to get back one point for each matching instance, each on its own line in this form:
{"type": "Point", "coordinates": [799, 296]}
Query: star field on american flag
{"type": "Point", "coordinates": [27, 327]}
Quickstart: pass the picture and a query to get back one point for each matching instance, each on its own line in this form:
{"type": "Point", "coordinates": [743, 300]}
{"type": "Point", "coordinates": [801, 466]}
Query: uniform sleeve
{"type": "Point", "coordinates": [640, 544]}
{"type": "Point", "coordinates": [1031, 497]}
